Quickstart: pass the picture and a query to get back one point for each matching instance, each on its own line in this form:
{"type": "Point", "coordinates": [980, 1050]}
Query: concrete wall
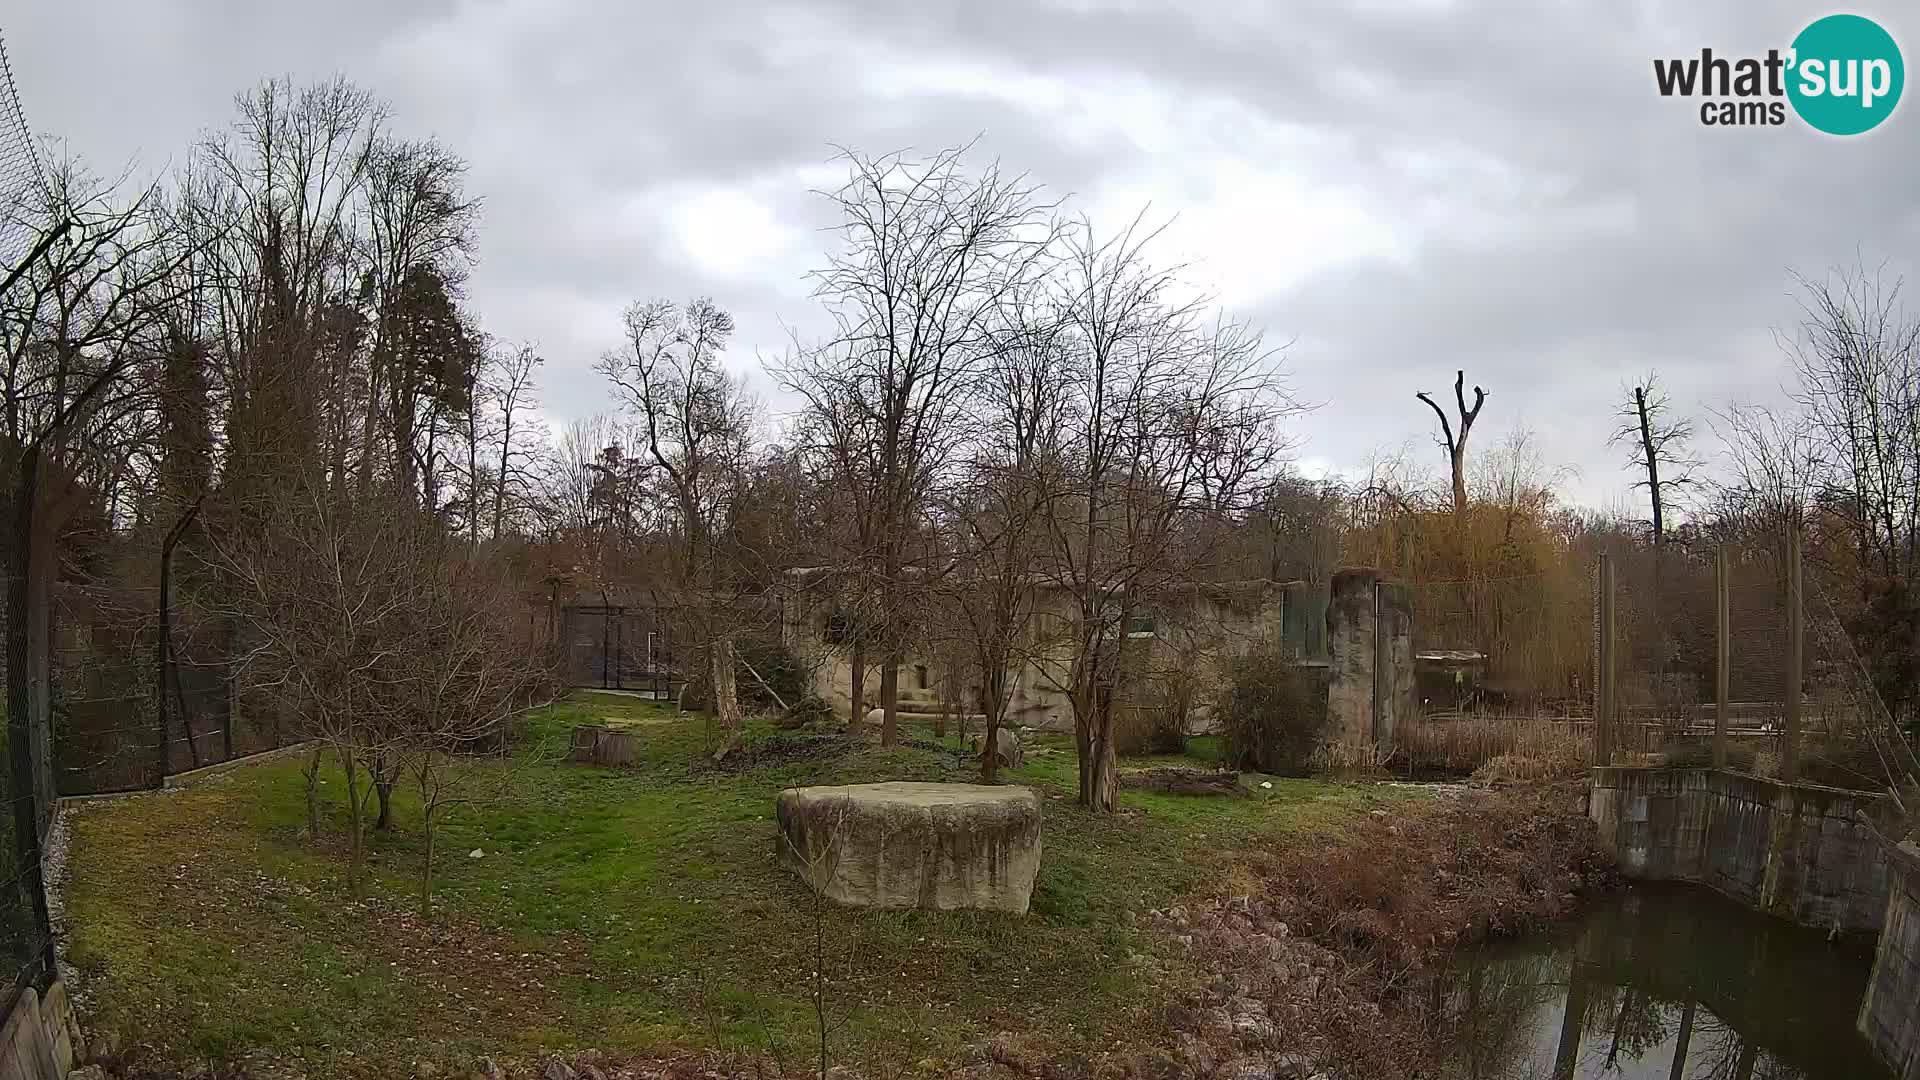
{"type": "Point", "coordinates": [1793, 850]}
{"type": "Point", "coordinates": [1194, 630]}
{"type": "Point", "coordinates": [40, 1036]}
{"type": "Point", "coordinates": [1890, 1013]}
{"type": "Point", "coordinates": [1370, 642]}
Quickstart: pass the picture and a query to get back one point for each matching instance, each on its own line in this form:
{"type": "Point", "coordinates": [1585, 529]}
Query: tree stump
{"type": "Point", "coordinates": [586, 740]}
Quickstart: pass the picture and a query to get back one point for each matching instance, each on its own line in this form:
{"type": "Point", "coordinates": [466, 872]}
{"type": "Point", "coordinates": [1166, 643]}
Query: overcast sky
{"type": "Point", "coordinates": [1396, 187]}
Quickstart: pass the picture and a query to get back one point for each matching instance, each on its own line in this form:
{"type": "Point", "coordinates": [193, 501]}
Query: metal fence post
{"type": "Point", "coordinates": [1607, 703]}
{"type": "Point", "coordinates": [1796, 642]}
{"type": "Point", "coordinates": [1723, 654]}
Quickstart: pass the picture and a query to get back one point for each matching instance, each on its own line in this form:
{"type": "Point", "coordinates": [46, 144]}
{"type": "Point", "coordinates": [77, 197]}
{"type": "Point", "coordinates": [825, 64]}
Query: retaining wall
{"type": "Point", "coordinates": [1799, 851]}
{"type": "Point", "coordinates": [39, 1038]}
{"type": "Point", "coordinates": [1890, 1013]}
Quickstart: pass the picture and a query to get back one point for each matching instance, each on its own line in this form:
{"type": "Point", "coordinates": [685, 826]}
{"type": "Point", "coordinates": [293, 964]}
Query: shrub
{"type": "Point", "coordinates": [785, 673]}
{"type": "Point", "coordinates": [1466, 744]}
{"type": "Point", "coordinates": [811, 709]}
{"type": "Point", "coordinates": [1273, 713]}
{"type": "Point", "coordinates": [782, 669]}
{"type": "Point", "coordinates": [1155, 722]}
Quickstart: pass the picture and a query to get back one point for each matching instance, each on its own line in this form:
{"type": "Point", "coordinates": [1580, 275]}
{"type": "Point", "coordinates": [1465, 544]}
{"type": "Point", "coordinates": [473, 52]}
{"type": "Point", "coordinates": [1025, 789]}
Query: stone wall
{"type": "Point", "coordinates": [40, 1036]}
{"type": "Point", "coordinates": [1370, 642]}
{"type": "Point", "coordinates": [1798, 851]}
{"type": "Point", "coordinates": [1889, 1017]}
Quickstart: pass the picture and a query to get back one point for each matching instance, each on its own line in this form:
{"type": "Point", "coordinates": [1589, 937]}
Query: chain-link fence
{"type": "Point", "coordinates": [1655, 656]}
{"type": "Point", "coordinates": [124, 720]}
{"type": "Point", "coordinates": [620, 647]}
{"type": "Point", "coordinates": [1736, 654]}
{"type": "Point", "coordinates": [26, 932]}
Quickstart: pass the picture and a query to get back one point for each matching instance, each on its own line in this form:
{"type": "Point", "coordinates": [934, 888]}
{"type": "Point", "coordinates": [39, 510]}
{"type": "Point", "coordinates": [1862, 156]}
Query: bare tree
{"type": "Point", "coordinates": [1857, 355]}
{"type": "Point", "coordinates": [1659, 447]}
{"type": "Point", "coordinates": [929, 250]}
{"type": "Point", "coordinates": [470, 681]}
{"type": "Point", "coordinates": [1456, 445]}
{"type": "Point", "coordinates": [78, 329]}
{"type": "Point", "coordinates": [1170, 422]}
{"type": "Point", "coordinates": [510, 394]}
{"type": "Point", "coordinates": [696, 421]}
{"type": "Point", "coordinates": [995, 512]}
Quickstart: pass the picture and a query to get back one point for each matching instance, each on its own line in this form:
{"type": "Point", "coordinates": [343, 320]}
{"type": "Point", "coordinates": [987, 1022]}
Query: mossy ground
{"type": "Point", "coordinates": [636, 910]}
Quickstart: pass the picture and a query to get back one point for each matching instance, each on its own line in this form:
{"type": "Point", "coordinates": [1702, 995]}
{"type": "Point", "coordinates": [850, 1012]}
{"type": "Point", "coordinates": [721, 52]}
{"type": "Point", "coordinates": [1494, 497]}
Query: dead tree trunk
{"type": "Point", "coordinates": [1456, 445]}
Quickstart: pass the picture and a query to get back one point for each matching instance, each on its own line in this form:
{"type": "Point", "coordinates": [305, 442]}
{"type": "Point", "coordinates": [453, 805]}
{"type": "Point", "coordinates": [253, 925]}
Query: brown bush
{"type": "Point", "coordinates": [1330, 956]}
{"type": "Point", "coordinates": [1459, 746]}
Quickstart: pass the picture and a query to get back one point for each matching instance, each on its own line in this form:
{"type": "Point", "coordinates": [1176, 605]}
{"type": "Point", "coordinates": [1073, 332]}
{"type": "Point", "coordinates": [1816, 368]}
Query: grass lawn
{"type": "Point", "coordinates": [637, 910]}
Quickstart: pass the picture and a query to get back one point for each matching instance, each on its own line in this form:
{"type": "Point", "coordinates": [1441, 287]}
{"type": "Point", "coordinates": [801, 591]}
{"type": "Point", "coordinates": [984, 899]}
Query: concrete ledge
{"type": "Point", "coordinates": [903, 845]}
{"type": "Point", "coordinates": [190, 775]}
{"type": "Point", "coordinates": [40, 1035]}
{"type": "Point", "coordinates": [1799, 851]}
{"type": "Point", "coordinates": [1889, 1019]}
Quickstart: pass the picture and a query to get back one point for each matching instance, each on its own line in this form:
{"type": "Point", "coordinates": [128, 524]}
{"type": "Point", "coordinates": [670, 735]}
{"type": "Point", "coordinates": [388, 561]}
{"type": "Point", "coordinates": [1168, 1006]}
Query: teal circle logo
{"type": "Point", "coordinates": [1846, 74]}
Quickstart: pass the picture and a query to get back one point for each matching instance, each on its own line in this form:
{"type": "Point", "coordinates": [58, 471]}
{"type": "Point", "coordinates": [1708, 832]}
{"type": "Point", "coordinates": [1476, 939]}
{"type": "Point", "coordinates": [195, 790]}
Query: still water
{"type": "Point", "coordinates": [1663, 984]}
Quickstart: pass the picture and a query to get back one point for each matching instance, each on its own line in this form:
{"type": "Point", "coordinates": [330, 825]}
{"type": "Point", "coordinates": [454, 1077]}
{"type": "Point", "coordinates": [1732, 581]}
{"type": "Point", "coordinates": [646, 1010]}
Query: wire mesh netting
{"type": "Point", "coordinates": [1516, 645]}
{"type": "Point", "coordinates": [615, 647]}
{"type": "Point", "coordinates": [1518, 663]}
{"type": "Point", "coordinates": [20, 172]}
{"type": "Point", "coordinates": [112, 729]}
{"type": "Point", "coordinates": [26, 933]}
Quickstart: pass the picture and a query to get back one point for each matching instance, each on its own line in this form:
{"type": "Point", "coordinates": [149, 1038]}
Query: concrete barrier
{"type": "Point", "coordinates": [40, 1036]}
{"type": "Point", "coordinates": [1890, 1012]}
{"type": "Point", "coordinates": [1799, 851]}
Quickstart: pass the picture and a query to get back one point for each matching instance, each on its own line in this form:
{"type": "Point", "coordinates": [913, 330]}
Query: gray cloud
{"type": "Point", "coordinates": [1400, 188]}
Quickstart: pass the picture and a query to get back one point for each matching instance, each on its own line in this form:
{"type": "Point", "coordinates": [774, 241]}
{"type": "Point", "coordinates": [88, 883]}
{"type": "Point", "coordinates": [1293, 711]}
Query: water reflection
{"type": "Point", "coordinates": [1666, 984]}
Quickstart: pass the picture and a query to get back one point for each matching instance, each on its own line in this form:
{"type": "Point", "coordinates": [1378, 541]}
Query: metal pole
{"type": "Point", "coordinates": [1723, 655]}
{"type": "Point", "coordinates": [1605, 736]}
{"type": "Point", "coordinates": [1796, 641]}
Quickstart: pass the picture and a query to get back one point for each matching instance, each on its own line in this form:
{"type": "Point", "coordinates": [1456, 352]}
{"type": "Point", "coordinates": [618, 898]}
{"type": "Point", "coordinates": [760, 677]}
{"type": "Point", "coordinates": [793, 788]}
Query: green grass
{"type": "Point", "coordinates": [635, 910]}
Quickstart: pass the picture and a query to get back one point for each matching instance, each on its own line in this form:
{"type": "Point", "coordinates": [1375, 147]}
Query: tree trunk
{"type": "Point", "coordinates": [890, 698]}
{"type": "Point", "coordinates": [994, 707]}
{"type": "Point", "coordinates": [1679, 1069]}
{"type": "Point", "coordinates": [724, 694]}
{"type": "Point", "coordinates": [1573, 1015]}
{"type": "Point", "coordinates": [312, 773]}
{"type": "Point", "coordinates": [426, 863]}
{"type": "Point", "coordinates": [354, 816]}
{"type": "Point", "coordinates": [383, 790]}
{"type": "Point", "coordinates": [857, 689]}
{"type": "Point", "coordinates": [1457, 458]}
{"type": "Point", "coordinates": [1105, 766]}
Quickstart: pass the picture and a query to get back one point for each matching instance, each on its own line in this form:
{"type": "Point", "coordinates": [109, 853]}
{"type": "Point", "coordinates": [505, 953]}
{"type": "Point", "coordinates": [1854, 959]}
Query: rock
{"type": "Point", "coordinates": [1244, 1068]}
{"type": "Point", "coordinates": [88, 1072]}
{"type": "Point", "coordinates": [876, 719]}
{"type": "Point", "coordinates": [590, 1071]}
{"type": "Point", "coordinates": [903, 845]}
{"type": "Point", "coordinates": [487, 1070]}
{"type": "Point", "coordinates": [1157, 1065]}
{"type": "Point", "coordinates": [1292, 1067]}
{"type": "Point", "coordinates": [1195, 1054]}
{"type": "Point", "coordinates": [476, 853]}
{"type": "Point", "coordinates": [105, 1046]}
{"type": "Point", "coordinates": [1007, 750]}
{"type": "Point", "coordinates": [555, 1069]}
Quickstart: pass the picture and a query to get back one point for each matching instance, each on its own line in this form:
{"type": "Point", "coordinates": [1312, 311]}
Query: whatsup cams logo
{"type": "Point", "coordinates": [1842, 75]}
